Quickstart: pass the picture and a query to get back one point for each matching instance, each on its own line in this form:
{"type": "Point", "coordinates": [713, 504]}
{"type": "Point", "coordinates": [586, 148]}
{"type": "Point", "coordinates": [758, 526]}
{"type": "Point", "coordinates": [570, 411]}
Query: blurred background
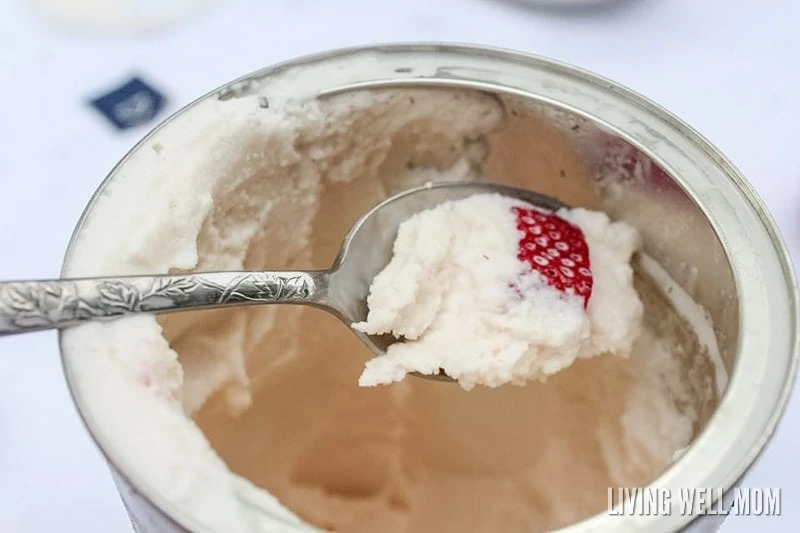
{"type": "Point", "coordinates": [82, 80]}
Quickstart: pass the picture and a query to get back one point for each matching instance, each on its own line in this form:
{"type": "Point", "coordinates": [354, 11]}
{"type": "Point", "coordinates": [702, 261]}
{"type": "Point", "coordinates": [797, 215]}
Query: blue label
{"type": "Point", "coordinates": [132, 104]}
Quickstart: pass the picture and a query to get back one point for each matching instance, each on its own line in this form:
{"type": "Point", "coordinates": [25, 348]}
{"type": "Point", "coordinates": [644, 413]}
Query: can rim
{"type": "Point", "coordinates": [474, 54]}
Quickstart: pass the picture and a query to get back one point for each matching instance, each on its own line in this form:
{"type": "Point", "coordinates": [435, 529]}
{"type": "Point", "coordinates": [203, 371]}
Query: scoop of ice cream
{"type": "Point", "coordinates": [485, 289]}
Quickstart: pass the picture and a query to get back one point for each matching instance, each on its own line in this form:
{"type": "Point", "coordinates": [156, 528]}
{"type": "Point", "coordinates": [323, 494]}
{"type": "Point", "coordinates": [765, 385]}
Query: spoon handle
{"type": "Point", "coordinates": [27, 306]}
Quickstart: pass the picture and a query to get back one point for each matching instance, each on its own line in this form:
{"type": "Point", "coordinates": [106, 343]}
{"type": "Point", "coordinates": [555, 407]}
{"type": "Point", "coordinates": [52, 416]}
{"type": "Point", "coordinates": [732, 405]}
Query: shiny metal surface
{"type": "Point", "coordinates": [342, 290]}
{"type": "Point", "coordinates": [589, 142]}
{"type": "Point", "coordinates": [27, 306]}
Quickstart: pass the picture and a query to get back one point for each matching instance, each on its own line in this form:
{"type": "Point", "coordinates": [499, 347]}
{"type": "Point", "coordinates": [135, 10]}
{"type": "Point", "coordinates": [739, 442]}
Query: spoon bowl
{"type": "Point", "coordinates": [342, 290]}
{"type": "Point", "coordinates": [368, 246]}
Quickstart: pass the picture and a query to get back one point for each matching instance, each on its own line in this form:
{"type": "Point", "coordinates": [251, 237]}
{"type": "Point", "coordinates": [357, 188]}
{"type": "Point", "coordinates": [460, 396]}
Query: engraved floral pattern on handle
{"type": "Point", "coordinates": [31, 305]}
{"type": "Point", "coordinates": [35, 305]}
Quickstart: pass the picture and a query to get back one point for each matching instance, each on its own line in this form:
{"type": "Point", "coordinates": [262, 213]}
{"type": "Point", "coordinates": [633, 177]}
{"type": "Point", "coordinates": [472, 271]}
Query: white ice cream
{"type": "Point", "coordinates": [231, 418]}
{"type": "Point", "coordinates": [451, 291]}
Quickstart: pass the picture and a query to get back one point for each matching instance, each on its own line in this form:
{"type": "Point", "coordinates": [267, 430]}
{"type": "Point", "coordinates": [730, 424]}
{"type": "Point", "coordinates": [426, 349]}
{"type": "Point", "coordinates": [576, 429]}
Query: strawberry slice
{"type": "Point", "coordinates": [556, 249]}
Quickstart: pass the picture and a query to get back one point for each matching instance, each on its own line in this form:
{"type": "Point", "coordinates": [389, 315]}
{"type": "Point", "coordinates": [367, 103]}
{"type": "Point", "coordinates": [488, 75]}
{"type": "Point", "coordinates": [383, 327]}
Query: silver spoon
{"type": "Point", "coordinates": [342, 290]}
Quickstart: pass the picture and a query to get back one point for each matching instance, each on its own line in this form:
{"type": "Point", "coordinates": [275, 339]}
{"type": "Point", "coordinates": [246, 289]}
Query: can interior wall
{"type": "Point", "coordinates": [566, 133]}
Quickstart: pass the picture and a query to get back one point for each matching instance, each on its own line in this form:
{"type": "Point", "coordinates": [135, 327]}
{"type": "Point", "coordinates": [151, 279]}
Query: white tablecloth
{"type": "Point", "coordinates": [728, 68]}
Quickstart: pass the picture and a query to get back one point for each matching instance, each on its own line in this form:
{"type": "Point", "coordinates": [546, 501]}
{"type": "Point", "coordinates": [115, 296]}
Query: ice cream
{"type": "Point", "coordinates": [463, 299]}
{"type": "Point", "coordinates": [250, 420]}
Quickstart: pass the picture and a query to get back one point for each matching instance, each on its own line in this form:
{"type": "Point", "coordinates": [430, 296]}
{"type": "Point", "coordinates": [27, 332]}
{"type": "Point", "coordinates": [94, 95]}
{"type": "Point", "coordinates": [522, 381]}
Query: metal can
{"type": "Point", "coordinates": [699, 218]}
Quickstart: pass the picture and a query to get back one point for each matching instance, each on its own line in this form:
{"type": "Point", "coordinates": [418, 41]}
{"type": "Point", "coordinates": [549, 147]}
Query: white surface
{"type": "Point", "coordinates": [117, 17]}
{"type": "Point", "coordinates": [716, 64]}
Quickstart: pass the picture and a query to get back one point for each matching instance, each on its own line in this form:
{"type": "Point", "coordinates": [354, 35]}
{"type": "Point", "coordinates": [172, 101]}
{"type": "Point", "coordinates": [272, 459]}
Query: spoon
{"type": "Point", "coordinates": [342, 290]}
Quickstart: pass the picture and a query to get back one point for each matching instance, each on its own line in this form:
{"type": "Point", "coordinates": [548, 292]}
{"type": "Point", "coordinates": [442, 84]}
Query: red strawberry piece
{"type": "Point", "coordinates": [556, 249]}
